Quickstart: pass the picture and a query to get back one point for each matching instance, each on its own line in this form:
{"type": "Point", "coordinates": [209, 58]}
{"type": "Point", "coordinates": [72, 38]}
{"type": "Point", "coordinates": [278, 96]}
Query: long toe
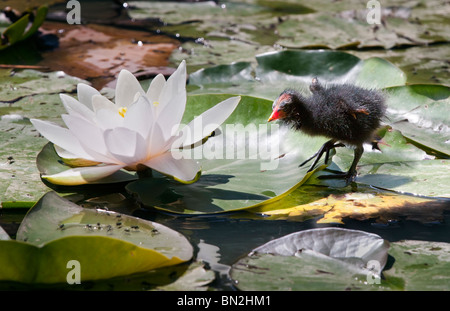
{"type": "Point", "coordinates": [350, 176]}
{"type": "Point", "coordinates": [339, 175]}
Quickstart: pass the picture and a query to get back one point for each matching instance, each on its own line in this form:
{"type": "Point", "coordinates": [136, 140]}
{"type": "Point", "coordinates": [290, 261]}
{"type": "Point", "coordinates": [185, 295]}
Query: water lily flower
{"type": "Point", "coordinates": [135, 132]}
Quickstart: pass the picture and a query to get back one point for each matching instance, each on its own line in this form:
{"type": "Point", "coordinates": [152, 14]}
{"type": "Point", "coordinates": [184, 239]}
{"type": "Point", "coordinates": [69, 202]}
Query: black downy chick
{"type": "Point", "coordinates": [345, 113]}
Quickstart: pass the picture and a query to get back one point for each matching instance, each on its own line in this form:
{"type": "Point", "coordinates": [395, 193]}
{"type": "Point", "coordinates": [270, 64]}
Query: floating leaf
{"type": "Point", "coordinates": [396, 164]}
{"type": "Point", "coordinates": [363, 205]}
{"type": "Point", "coordinates": [276, 71]}
{"type": "Point", "coordinates": [420, 113]}
{"type": "Point", "coordinates": [418, 266]}
{"type": "Point", "coordinates": [234, 30]}
{"type": "Point", "coordinates": [316, 259]}
{"type": "Point", "coordinates": [239, 165]}
{"type": "Point", "coordinates": [105, 244]}
{"type": "Point", "coordinates": [428, 178]}
{"type": "Point", "coordinates": [330, 259]}
{"type": "Point", "coordinates": [26, 94]}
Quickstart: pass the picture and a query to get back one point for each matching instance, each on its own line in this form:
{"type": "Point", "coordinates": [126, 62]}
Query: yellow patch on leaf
{"type": "Point", "coordinates": [363, 206]}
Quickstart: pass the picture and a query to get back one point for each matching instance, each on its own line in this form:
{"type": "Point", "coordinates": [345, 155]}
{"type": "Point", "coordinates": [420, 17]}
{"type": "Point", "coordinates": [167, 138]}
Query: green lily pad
{"type": "Point", "coordinates": [407, 142]}
{"type": "Point", "coordinates": [235, 30]}
{"type": "Point", "coordinates": [421, 64]}
{"type": "Point", "coordinates": [348, 27]}
{"type": "Point", "coordinates": [320, 259]}
{"type": "Point", "coordinates": [427, 178]}
{"type": "Point", "coordinates": [400, 167]}
{"type": "Point", "coordinates": [27, 94]}
{"type": "Point", "coordinates": [316, 259]}
{"type": "Point", "coordinates": [105, 244]}
{"type": "Point", "coordinates": [420, 112]}
{"type": "Point", "coordinates": [418, 266]}
{"type": "Point", "coordinates": [239, 166]}
{"type": "Point", "coordinates": [276, 71]}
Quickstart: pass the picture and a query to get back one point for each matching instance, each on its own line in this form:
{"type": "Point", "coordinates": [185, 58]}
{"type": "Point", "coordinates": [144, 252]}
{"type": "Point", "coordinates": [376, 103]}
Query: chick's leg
{"type": "Point", "coordinates": [351, 173]}
{"type": "Point", "coordinates": [324, 149]}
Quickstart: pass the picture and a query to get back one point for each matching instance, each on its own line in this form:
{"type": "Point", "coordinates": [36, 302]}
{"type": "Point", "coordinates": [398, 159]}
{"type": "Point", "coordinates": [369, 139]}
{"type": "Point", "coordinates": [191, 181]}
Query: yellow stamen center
{"type": "Point", "coordinates": [122, 111]}
{"type": "Point", "coordinates": [155, 103]}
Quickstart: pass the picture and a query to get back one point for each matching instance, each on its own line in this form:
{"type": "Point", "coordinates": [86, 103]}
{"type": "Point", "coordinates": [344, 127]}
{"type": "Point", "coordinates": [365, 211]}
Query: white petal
{"type": "Point", "coordinates": [85, 93]}
{"type": "Point", "coordinates": [175, 84]}
{"type": "Point", "coordinates": [72, 159]}
{"type": "Point", "coordinates": [90, 137]}
{"type": "Point", "coordinates": [172, 101]}
{"type": "Point", "coordinates": [177, 81]}
{"type": "Point", "coordinates": [126, 89]}
{"type": "Point", "coordinates": [184, 170]}
{"type": "Point", "coordinates": [139, 117]}
{"type": "Point", "coordinates": [82, 175]}
{"type": "Point", "coordinates": [63, 153]}
{"type": "Point", "coordinates": [155, 88]}
{"type": "Point", "coordinates": [126, 145]}
{"type": "Point", "coordinates": [74, 107]}
{"type": "Point", "coordinates": [156, 143]}
{"type": "Point", "coordinates": [62, 137]}
{"type": "Point", "coordinates": [208, 121]}
{"type": "Point", "coordinates": [101, 102]}
{"type": "Point", "coordinates": [108, 119]}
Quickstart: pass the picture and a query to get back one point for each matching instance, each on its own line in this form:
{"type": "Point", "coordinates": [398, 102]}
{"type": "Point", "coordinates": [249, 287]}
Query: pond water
{"type": "Point", "coordinates": [234, 237]}
{"type": "Point", "coordinates": [220, 240]}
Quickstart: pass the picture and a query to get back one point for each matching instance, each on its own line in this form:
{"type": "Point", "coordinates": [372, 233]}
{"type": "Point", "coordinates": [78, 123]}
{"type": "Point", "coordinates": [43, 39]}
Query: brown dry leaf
{"type": "Point", "coordinates": [363, 206]}
{"type": "Point", "coordinates": [97, 52]}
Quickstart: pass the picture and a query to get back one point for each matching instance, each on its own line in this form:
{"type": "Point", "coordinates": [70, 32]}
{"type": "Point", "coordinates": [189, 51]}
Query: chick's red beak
{"type": "Point", "coordinates": [276, 114]}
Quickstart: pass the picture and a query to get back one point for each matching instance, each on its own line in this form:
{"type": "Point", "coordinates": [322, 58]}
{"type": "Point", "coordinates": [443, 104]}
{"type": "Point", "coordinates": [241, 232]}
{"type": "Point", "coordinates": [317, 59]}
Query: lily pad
{"type": "Point", "coordinates": [420, 112]}
{"type": "Point", "coordinates": [316, 259]}
{"type": "Point", "coordinates": [408, 142]}
{"type": "Point", "coordinates": [418, 266]}
{"type": "Point", "coordinates": [105, 244]}
{"type": "Point", "coordinates": [333, 206]}
{"type": "Point", "coordinates": [331, 259]}
{"type": "Point", "coordinates": [275, 71]}
{"type": "Point", "coordinates": [259, 26]}
{"type": "Point", "coordinates": [428, 178]}
{"type": "Point", "coordinates": [239, 165]}
{"type": "Point", "coordinates": [27, 94]}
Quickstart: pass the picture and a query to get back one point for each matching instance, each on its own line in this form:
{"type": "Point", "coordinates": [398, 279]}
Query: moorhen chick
{"type": "Point", "coordinates": [345, 113]}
